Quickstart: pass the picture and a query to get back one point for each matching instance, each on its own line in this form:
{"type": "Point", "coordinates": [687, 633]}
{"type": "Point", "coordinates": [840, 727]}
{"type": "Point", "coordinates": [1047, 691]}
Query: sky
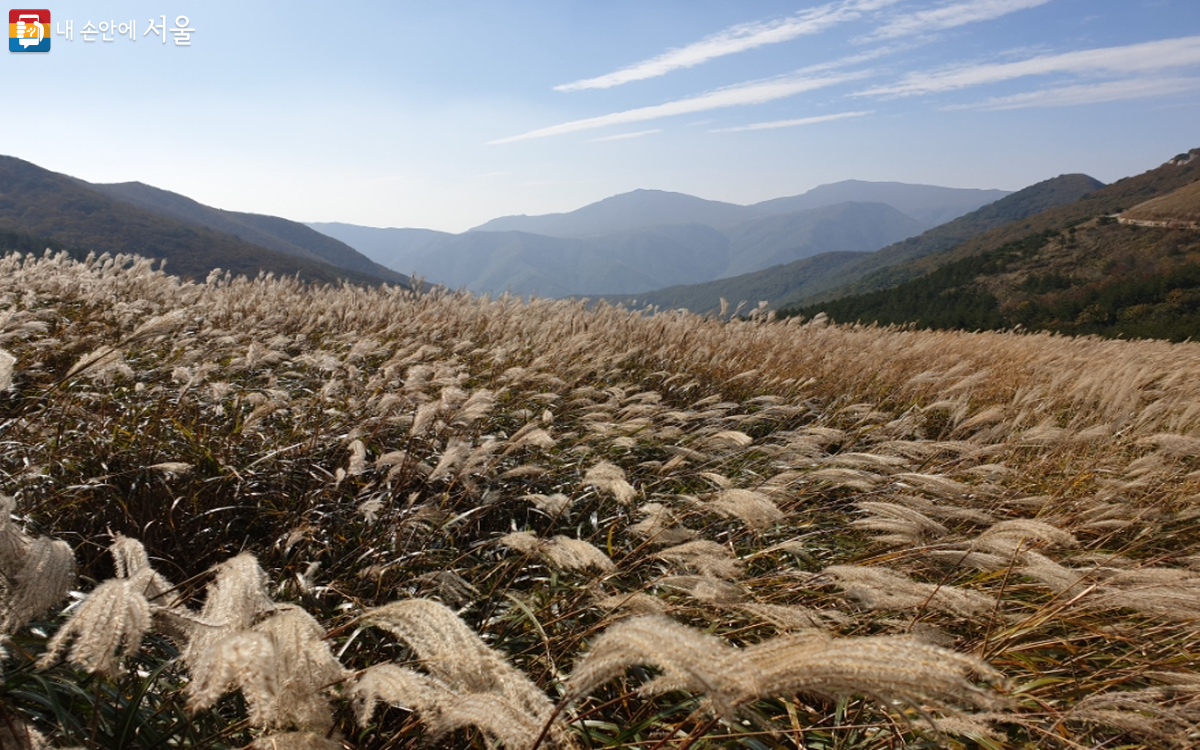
{"type": "Point", "coordinates": [446, 114]}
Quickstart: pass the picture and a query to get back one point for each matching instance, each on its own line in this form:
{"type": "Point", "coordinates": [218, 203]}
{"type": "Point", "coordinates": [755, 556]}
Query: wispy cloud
{"type": "Point", "coordinates": [733, 40]}
{"type": "Point", "coordinates": [790, 123]}
{"type": "Point", "coordinates": [949, 16]}
{"type": "Point", "coordinates": [754, 92]}
{"type": "Point", "coordinates": [1132, 59]}
{"type": "Point", "coordinates": [626, 136]}
{"type": "Point", "coordinates": [1069, 96]}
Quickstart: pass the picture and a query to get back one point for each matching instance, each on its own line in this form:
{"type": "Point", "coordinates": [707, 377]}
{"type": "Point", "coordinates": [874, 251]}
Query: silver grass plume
{"type": "Point", "coordinates": [397, 686]}
{"type": "Point", "coordinates": [532, 435]}
{"type": "Point", "coordinates": [233, 602]}
{"type": "Point", "coordinates": [477, 406]}
{"type": "Point", "coordinates": [705, 557]}
{"type": "Point", "coordinates": [451, 651]}
{"type": "Point", "coordinates": [879, 588]}
{"type": "Point", "coordinates": [245, 661]}
{"type": "Point", "coordinates": [576, 554]}
{"type": "Point", "coordinates": [13, 540]}
{"type": "Point", "coordinates": [786, 617]}
{"type": "Point", "coordinates": [635, 603]}
{"type": "Point", "coordinates": [888, 668]}
{"type": "Point", "coordinates": [110, 623]}
{"type": "Point", "coordinates": [753, 508]}
{"type": "Point", "coordinates": [551, 505]}
{"type": "Point", "coordinates": [7, 364]}
{"type": "Point", "coordinates": [1006, 537]}
{"type": "Point", "coordinates": [358, 459]}
{"type": "Point", "coordinates": [130, 561]}
{"type": "Point", "coordinates": [489, 692]}
{"type": "Point", "coordinates": [1170, 593]}
{"type": "Point", "coordinates": [657, 527]}
{"type": "Point", "coordinates": [114, 618]}
{"type": "Point", "coordinates": [1166, 714]}
{"type": "Point", "coordinates": [456, 452]}
{"type": "Point", "coordinates": [44, 578]}
{"type": "Point", "coordinates": [563, 551]}
{"type": "Point", "coordinates": [705, 588]}
{"type": "Point", "coordinates": [899, 525]}
{"type": "Point", "coordinates": [685, 655]}
{"type": "Point", "coordinates": [306, 668]}
{"type": "Point", "coordinates": [443, 710]}
{"type": "Point", "coordinates": [607, 477]}
{"type": "Point", "coordinates": [295, 741]}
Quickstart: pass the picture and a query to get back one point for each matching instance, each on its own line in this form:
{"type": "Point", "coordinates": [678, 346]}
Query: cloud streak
{"type": "Point", "coordinates": [626, 136]}
{"type": "Point", "coordinates": [949, 16]}
{"type": "Point", "coordinates": [754, 92]}
{"type": "Point", "coordinates": [1070, 96]}
{"type": "Point", "coordinates": [1132, 59]}
{"type": "Point", "coordinates": [733, 40]}
{"type": "Point", "coordinates": [790, 123]}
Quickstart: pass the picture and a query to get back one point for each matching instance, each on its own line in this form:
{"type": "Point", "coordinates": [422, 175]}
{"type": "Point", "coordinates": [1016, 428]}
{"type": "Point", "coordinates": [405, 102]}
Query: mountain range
{"type": "Point", "coordinates": [649, 239]}
{"type": "Point", "coordinates": [191, 238]}
{"type": "Point", "coordinates": [836, 274]}
{"type": "Point", "coordinates": [929, 205]}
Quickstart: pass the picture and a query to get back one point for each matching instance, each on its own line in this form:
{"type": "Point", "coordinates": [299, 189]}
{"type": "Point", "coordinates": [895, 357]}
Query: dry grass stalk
{"type": "Point", "coordinates": [880, 588]}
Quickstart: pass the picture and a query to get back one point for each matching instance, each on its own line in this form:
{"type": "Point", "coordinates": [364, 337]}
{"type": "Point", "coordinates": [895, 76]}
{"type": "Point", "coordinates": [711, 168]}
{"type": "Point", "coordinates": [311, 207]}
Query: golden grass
{"type": "Point", "coordinates": [452, 505]}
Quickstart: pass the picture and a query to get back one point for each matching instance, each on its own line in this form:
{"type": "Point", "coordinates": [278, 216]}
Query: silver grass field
{"type": "Point", "coordinates": [257, 514]}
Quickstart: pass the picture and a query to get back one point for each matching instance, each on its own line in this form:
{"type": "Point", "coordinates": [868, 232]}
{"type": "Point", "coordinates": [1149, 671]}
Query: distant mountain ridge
{"type": "Point", "coordinates": [931, 205]}
{"type": "Point", "coordinates": [630, 261]}
{"type": "Point", "coordinates": [647, 239]}
{"type": "Point", "coordinates": [638, 209]}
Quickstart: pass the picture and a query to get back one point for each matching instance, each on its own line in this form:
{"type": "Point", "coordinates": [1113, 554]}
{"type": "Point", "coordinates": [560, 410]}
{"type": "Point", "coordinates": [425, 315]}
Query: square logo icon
{"type": "Point", "coordinates": [29, 30]}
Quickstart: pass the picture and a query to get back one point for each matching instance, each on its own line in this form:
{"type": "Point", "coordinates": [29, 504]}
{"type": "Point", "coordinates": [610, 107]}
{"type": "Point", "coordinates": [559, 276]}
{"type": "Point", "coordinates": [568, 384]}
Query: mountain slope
{"type": "Point", "coordinates": [853, 227]}
{"type": "Point", "coordinates": [35, 201]}
{"type": "Point", "coordinates": [271, 232]}
{"type": "Point", "coordinates": [888, 266]}
{"type": "Point", "coordinates": [391, 247]}
{"type": "Point", "coordinates": [1181, 205]}
{"type": "Point", "coordinates": [767, 284]}
{"type": "Point", "coordinates": [1073, 269]}
{"type": "Point", "coordinates": [930, 205]}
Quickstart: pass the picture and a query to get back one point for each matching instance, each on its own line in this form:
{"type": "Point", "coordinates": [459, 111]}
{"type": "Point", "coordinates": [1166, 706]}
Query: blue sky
{"type": "Point", "coordinates": [445, 114]}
